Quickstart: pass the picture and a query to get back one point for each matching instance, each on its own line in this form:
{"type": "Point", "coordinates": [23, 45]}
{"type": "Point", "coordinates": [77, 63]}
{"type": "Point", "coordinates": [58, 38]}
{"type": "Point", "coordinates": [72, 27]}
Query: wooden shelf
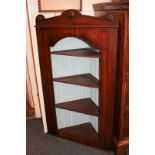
{"type": "Point", "coordinates": [82, 52]}
{"type": "Point", "coordinates": [85, 106]}
{"type": "Point", "coordinates": [87, 80]}
{"type": "Point", "coordinates": [83, 133]}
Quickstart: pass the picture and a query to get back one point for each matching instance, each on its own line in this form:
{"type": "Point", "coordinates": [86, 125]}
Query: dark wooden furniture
{"type": "Point", "coordinates": [101, 34]}
{"type": "Point", "coordinates": [121, 118]}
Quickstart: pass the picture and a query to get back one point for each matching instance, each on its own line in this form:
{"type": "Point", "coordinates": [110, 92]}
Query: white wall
{"type": "Point", "coordinates": [31, 72]}
{"type": "Point", "coordinates": [33, 12]}
{"type": "Point", "coordinates": [29, 95]}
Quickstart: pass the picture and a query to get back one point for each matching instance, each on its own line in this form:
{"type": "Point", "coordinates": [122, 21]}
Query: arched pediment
{"type": "Point", "coordinates": [72, 18]}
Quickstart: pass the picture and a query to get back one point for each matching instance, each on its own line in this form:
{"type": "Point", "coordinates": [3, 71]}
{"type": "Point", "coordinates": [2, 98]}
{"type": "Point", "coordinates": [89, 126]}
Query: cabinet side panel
{"type": "Point", "coordinates": [45, 70]}
{"type": "Point", "coordinates": [107, 86]}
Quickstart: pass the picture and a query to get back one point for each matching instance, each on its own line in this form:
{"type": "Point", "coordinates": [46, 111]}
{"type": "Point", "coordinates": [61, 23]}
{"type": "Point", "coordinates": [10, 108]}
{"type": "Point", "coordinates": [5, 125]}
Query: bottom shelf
{"type": "Point", "coordinates": [83, 133]}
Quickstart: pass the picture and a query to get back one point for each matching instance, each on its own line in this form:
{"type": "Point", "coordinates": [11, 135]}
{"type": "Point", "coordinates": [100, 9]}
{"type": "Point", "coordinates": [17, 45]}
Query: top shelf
{"type": "Point", "coordinates": [81, 52]}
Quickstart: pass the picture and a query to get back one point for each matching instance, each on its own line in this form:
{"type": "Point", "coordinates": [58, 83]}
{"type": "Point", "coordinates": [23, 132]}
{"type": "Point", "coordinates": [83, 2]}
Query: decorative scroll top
{"type": "Point", "coordinates": [110, 17]}
{"type": "Point", "coordinates": [73, 18]}
{"type": "Point", "coordinates": [71, 13]}
{"type": "Point", "coordinates": [39, 17]}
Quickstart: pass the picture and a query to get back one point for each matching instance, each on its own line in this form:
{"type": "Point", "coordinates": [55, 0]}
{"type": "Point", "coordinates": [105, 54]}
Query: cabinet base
{"type": "Point", "coordinates": [121, 147]}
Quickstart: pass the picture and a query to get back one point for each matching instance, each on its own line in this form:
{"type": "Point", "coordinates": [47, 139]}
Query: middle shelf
{"type": "Point", "coordinates": [85, 106]}
{"type": "Point", "coordinates": [81, 52]}
{"type": "Point", "coordinates": [87, 80]}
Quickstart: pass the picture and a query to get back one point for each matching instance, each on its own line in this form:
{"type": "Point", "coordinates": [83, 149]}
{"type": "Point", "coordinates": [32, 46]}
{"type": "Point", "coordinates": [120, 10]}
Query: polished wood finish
{"type": "Point", "coordinates": [83, 52]}
{"type": "Point", "coordinates": [100, 34]}
{"type": "Point", "coordinates": [84, 133]}
{"type": "Point", "coordinates": [85, 106]}
{"type": "Point", "coordinates": [121, 147]}
{"type": "Point", "coordinates": [119, 10]}
{"type": "Point", "coordinates": [112, 6]}
{"type": "Point", "coordinates": [87, 80]}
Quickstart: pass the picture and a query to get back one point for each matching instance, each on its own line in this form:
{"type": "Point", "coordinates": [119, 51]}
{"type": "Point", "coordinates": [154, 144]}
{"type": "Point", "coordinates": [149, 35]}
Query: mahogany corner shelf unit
{"type": "Point", "coordinates": [101, 35]}
{"type": "Point", "coordinates": [120, 10]}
